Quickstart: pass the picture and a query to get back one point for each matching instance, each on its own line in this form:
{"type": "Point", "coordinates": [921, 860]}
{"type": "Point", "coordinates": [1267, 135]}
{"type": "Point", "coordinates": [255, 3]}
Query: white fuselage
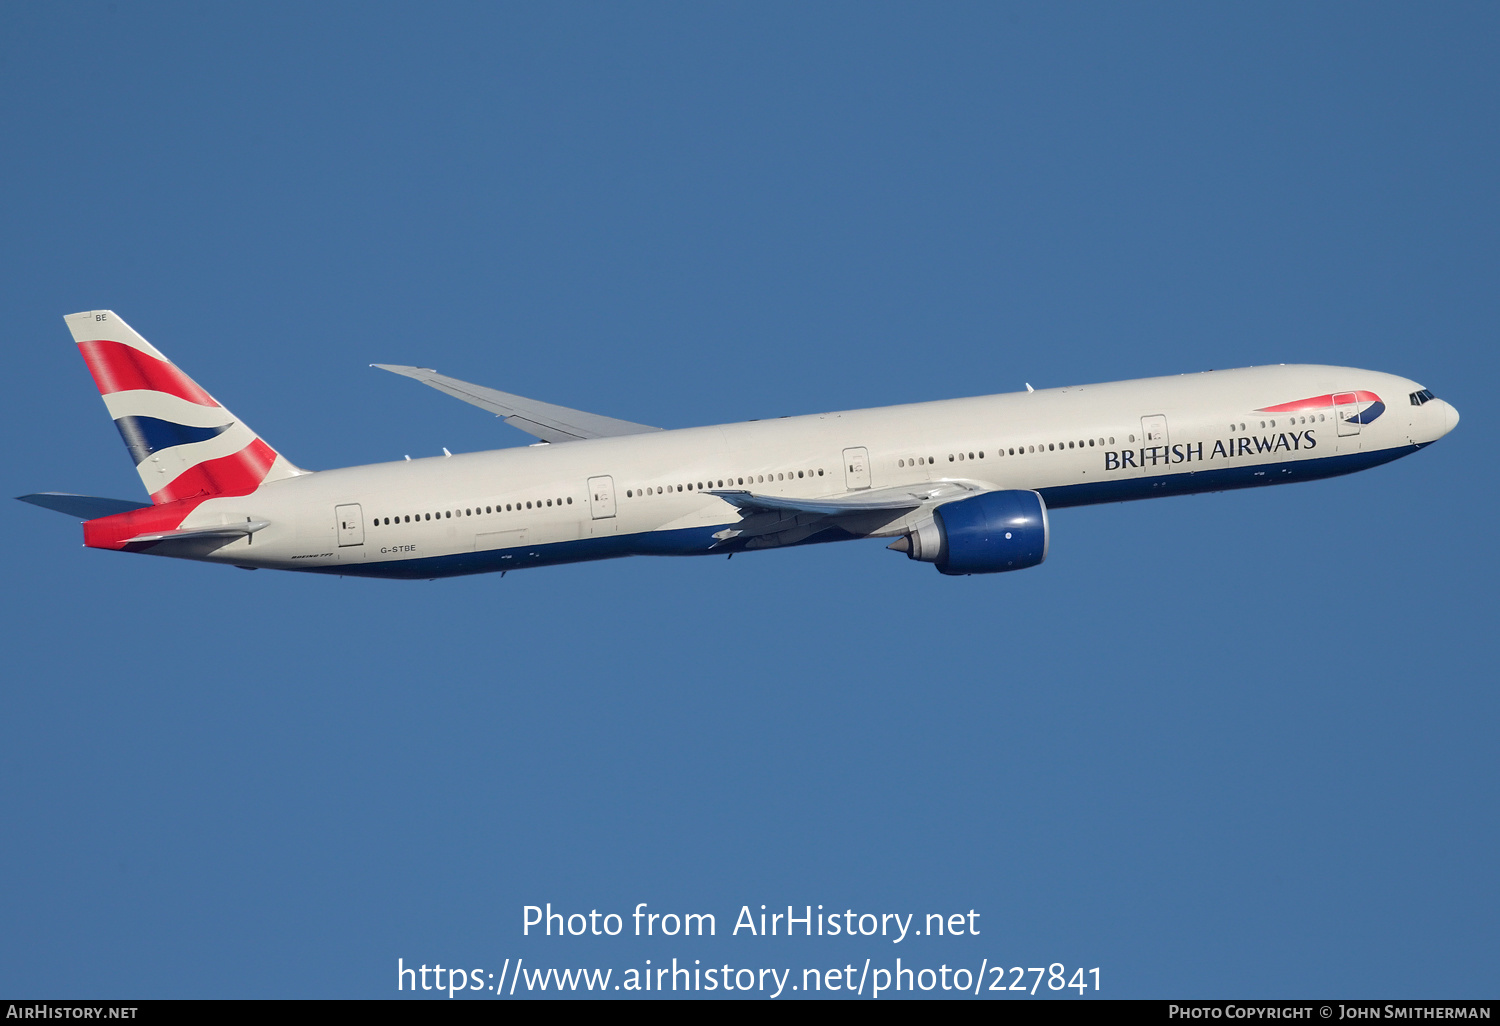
{"type": "Point", "coordinates": [650, 493]}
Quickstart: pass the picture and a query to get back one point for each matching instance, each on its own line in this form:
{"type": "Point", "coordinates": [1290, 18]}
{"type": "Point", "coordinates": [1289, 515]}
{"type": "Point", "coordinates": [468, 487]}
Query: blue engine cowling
{"type": "Point", "coordinates": [988, 534]}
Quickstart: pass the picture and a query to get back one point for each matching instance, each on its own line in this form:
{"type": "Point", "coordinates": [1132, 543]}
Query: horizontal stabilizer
{"type": "Point", "coordinates": [84, 507]}
{"type": "Point", "coordinates": [546, 421]}
{"type": "Point", "coordinates": [193, 533]}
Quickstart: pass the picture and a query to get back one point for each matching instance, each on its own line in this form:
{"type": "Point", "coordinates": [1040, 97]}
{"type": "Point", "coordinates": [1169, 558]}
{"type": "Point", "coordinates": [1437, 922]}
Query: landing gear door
{"type": "Point", "coordinates": [1345, 410]}
{"type": "Point", "coordinates": [856, 468]}
{"type": "Point", "coordinates": [602, 497]}
{"type": "Point", "coordinates": [351, 524]}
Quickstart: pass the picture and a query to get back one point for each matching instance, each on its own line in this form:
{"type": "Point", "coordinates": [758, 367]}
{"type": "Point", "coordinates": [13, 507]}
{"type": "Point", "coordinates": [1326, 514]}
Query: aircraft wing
{"type": "Point", "coordinates": [771, 520]}
{"type": "Point", "coordinates": [546, 421]}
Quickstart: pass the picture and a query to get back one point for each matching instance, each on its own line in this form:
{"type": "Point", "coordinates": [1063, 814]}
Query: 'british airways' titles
{"type": "Point", "coordinates": [1192, 452]}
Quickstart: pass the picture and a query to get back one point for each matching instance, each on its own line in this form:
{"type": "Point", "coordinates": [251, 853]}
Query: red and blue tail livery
{"type": "Point", "coordinates": [184, 443]}
{"type": "Point", "coordinates": [964, 484]}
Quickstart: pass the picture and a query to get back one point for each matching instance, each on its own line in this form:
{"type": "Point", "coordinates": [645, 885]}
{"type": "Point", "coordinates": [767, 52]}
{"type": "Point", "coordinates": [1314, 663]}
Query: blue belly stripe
{"type": "Point", "coordinates": [1221, 479]}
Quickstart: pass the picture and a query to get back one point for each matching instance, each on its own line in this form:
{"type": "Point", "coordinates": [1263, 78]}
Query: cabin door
{"type": "Point", "coordinates": [1345, 409]}
{"type": "Point", "coordinates": [602, 497]}
{"type": "Point", "coordinates": [351, 524]}
{"type": "Point", "coordinates": [856, 468]}
{"type": "Point", "coordinates": [1154, 430]}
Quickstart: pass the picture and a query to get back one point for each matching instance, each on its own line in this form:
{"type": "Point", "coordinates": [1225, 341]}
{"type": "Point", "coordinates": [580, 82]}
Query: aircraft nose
{"type": "Point", "coordinates": [1450, 417]}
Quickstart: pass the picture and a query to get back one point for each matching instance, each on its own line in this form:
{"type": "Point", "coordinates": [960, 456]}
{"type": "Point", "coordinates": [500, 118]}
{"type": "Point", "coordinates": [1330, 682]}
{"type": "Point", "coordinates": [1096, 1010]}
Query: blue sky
{"type": "Point", "coordinates": [1233, 745]}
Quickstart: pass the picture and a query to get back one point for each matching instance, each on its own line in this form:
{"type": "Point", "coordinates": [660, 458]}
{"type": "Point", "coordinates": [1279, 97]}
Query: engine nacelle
{"type": "Point", "coordinates": [988, 534]}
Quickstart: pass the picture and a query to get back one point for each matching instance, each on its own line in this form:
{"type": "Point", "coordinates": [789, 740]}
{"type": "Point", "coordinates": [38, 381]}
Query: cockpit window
{"type": "Point", "coordinates": [1424, 396]}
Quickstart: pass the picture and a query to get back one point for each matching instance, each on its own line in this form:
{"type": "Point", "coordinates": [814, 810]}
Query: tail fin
{"type": "Point", "coordinates": [183, 442]}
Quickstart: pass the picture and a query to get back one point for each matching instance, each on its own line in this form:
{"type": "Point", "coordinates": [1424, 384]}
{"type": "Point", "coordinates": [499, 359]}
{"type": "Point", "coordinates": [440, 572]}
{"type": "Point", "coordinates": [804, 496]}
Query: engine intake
{"type": "Point", "coordinates": [987, 534]}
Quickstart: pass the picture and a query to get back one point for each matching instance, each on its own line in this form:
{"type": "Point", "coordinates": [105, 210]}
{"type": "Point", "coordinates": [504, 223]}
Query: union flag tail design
{"type": "Point", "coordinates": [184, 443]}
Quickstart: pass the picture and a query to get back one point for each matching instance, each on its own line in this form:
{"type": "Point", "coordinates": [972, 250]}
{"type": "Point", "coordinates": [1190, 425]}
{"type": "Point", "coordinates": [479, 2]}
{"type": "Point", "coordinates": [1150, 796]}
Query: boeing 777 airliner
{"type": "Point", "coordinates": [964, 484]}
